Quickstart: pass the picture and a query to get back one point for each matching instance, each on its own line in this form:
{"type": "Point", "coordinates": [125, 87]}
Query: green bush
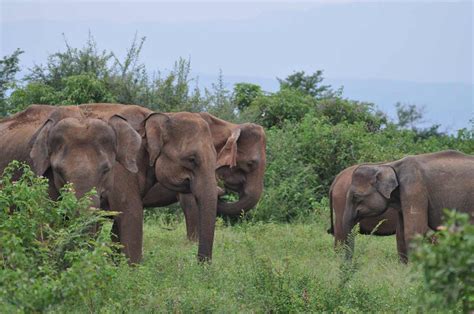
{"type": "Point", "coordinates": [447, 266]}
{"type": "Point", "coordinates": [49, 254]}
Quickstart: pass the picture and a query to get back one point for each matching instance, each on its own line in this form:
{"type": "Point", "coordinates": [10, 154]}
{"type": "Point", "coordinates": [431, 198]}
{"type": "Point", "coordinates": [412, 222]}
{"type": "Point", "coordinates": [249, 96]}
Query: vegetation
{"type": "Point", "coordinates": [48, 253]}
{"type": "Point", "coordinates": [276, 258]}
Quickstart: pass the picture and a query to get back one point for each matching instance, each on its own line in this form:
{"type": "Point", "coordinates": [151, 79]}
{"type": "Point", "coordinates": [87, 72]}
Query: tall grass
{"type": "Point", "coordinates": [258, 267]}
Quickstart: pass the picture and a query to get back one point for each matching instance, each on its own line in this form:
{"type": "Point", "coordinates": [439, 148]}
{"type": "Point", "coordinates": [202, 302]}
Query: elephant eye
{"type": "Point", "coordinates": [252, 164]}
{"type": "Point", "coordinates": [105, 168]}
{"type": "Point", "coordinates": [191, 160]}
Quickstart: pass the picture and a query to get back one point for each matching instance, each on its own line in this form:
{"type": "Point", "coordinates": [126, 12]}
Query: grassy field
{"type": "Point", "coordinates": [258, 267]}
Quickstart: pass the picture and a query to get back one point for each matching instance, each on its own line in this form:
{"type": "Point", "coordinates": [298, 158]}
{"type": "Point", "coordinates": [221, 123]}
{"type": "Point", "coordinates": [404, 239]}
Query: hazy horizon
{"type": "Point", "coordinates": [355, 43]}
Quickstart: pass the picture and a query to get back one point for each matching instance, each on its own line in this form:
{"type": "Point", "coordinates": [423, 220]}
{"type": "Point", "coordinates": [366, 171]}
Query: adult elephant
{"type": "Point", "coordinates": [381, 225]}
{"type": "Point", "coordinates": [419, 187]}
{"type": "Point", "coordinates": [64, 145]}
{"type": "Point", "coordinates": [177, 153]}
{"type": "Point", "coordinates": [241, 162]}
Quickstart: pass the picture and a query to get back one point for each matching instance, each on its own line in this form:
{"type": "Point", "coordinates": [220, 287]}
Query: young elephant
{"type": "Point", "coordinates": [386, 222]}
{"type": "Point", "coordinates": [63, 145]}
{"type": "Point", "coordinates": [419, 187]}
{"type": "Point", "coordinates": [241, 164]}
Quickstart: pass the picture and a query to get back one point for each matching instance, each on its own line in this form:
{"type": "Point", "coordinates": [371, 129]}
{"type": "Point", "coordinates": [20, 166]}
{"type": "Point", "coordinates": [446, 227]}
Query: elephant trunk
{"type": "Point", "coordinates": [348, 222]}
{"type": "Point", "coordinates": [206, 198]}
{"type": "Point", "coordinates": [248, 198]}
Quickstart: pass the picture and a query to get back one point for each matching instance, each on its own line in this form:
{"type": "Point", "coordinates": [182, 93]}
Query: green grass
{"type": "Point", "coordinates": [257, 268]}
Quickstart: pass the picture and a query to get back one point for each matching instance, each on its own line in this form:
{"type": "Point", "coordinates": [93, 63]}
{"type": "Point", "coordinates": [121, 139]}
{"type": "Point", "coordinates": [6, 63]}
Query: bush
{"type": "Point", "coordinates": [48, 254]}
{"type": "Point", "coordinates": [447, 266]}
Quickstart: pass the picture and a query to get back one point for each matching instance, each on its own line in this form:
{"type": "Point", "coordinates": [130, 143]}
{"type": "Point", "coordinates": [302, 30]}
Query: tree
{"type": "Point", "coordinates": [8, 69]}
{"type": "Point", "coordinates": [244, 94]}
{"type": "Point", "coordinates": [409, 116]}
{"type": "Point", "coordinates": [218, 99]}
{"type": "Point", "coordinates": [308, 84]}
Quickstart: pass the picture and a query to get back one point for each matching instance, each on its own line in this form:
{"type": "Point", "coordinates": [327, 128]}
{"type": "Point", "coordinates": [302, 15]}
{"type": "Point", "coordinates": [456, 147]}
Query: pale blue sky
{"type": "Point", "coordinates": [411, 41]}
{"type": "Point", "coordinates": [416, 41]}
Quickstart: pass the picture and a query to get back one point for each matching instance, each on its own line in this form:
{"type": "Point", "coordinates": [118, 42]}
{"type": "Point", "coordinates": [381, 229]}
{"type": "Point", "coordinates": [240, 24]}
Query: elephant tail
{"type": "Point", "coordinates": [331, 228]}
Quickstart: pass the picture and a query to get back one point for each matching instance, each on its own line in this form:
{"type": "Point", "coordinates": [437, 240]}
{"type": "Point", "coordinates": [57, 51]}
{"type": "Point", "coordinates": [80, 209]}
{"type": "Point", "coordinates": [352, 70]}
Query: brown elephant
{"type": "Point", "coordinates": [241, 162]}
{"type": "Point", "coordinates": [386, 222]}
{"type": "Point", "coordinates": [419, 187]}
{"type": "Point", "coordinates": [64, 145]}
{"type": "Point", "coordinates": [175, 151]}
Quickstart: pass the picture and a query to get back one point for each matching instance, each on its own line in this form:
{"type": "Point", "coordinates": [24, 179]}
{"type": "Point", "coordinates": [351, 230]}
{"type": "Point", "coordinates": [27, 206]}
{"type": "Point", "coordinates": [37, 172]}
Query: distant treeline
{"type": "Point", "coordinates": [313, 131]}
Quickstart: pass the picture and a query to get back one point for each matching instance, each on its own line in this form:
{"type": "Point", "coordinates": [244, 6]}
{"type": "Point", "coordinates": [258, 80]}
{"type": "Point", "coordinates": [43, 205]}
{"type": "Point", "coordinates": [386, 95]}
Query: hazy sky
{"type": "Point", "coordinates": [418, 41]}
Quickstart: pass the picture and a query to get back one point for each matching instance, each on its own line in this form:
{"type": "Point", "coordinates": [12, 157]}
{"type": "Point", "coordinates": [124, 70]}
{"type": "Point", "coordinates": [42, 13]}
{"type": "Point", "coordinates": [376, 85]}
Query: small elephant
{"type": "Point", "coordinates": [386, 222]}
{"type": "Point", "coordinates": [419, 187]}
{"type": "Point", "coordinates": [241, 162]}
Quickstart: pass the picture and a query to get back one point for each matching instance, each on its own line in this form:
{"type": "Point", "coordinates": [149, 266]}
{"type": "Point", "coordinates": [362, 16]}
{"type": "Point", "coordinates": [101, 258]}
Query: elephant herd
{"type": "Point", "coordinates": [136, 158]}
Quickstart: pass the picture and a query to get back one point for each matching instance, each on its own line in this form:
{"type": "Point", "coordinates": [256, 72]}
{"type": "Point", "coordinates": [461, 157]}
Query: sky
{"type": "Point", "coordinates": [417, 42]}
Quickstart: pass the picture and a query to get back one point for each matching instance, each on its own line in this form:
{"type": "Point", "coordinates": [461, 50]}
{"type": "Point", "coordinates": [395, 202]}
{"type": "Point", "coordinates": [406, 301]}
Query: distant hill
{"type": "Point", "coordinates": [449, 104]}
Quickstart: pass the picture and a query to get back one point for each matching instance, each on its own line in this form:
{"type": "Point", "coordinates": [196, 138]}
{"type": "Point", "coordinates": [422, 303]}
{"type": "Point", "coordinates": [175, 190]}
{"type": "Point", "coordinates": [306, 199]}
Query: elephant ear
{"type": "Point", "coordinates": [128, 142]}
{"type": "Point", "coordinates": [39, 152]}
{"type": "Point", "coordinates": [228, 154]}
{"type": "Point", "coordinates": [386, 181]}
{"type": "Point", "coordinates": [154, 126]}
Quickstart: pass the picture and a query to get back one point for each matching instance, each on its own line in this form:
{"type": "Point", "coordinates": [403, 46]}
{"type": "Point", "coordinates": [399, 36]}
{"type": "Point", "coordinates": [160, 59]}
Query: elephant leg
{"type": "Point", "coordinates": [414, 212]}
{"type": "Point", "coordinates": [191, 215]}
{"type": "Point", "coordinates": [401, 244]}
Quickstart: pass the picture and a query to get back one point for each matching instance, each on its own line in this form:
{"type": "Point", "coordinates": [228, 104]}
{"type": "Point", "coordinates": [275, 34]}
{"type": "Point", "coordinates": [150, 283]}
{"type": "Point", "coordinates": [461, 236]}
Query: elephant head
{"type": "Point", "coordinates": [369, 195]}
{"type": "Point", "coordinates": [241, 161]}
{"type": "Point", "coordinates": [83, 151]}
{"type": "Point", "coordinates": [181, 150]}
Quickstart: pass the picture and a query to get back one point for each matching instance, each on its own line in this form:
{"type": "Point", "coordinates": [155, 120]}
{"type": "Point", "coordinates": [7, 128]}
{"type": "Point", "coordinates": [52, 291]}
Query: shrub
{"type": "Point", "coordinates": [447, 267]}
{"type": "Point", "coordinates": [48, 254]}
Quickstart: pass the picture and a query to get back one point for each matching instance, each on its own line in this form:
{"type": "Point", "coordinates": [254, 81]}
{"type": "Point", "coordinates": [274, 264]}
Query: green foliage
{"type": "Point", "coordinates": [308, 84]}
{"type": "Point", "coordinates": [48, 254]}
{"type": "Point", "coordinates": [9, 67]}
{"type": "Point", "coordinates": [244, 94]}
{"type": "Point", "coordinates": [284, 105]}
{"type": "Point", "coordinates": [32, 93]}
{"type": "Point", "coordinates": [447, 266]}
{"type": "Point", "coordinates": [219, 100]}
{"type": "Point", "coordinates": [83, 89]}
{"type": "Point", "coordinates": [73, 61]}
{"type": "Point", "coordinates": [257, 267]}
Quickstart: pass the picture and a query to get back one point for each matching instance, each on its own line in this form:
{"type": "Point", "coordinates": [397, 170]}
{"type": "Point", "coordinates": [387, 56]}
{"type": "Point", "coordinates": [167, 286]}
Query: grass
{"type": "Point", "coordinates": [257, 267]}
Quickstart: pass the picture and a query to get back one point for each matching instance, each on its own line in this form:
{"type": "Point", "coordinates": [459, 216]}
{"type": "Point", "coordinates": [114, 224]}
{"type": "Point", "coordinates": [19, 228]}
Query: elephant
{"type": "Point", "coordinates": [241, 162]}
{"type": "Point", "coordinates": [176, 153]}
{"type": "Point", "coordinates": [174, 150]}
{"type": "Point", "coordinates": [419, 187]}
{"type": "Point", "coordinates": [386, 222]}
{"type": "Point", "coordinates": [63, 145]}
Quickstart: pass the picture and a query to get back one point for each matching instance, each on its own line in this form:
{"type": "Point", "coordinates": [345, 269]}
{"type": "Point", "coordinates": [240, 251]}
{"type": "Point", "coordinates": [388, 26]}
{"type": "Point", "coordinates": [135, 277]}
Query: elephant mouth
{"type": "Point", "coordinates": [183, 186]}
{"type": "Point", "coordinates": [229, 193]}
